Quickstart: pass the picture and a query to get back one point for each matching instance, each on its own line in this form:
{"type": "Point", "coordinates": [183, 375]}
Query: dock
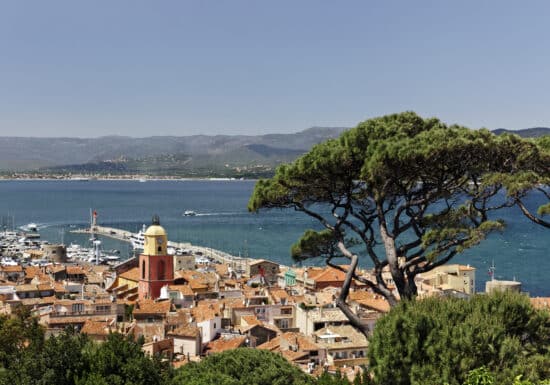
{"type": "Point", "coordinates": [237, 263]}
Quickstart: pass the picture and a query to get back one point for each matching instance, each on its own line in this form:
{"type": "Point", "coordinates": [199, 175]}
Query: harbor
{"type": "Point", "coordinates": [202, 253]}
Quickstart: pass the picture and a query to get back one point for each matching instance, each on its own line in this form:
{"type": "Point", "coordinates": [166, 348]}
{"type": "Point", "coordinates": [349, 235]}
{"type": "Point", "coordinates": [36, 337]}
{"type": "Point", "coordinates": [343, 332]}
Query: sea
{"type": "Point", "coordinates": [521, 252]}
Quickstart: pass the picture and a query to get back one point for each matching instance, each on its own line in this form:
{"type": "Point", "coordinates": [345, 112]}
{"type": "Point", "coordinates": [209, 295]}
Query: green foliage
{"type": "Point", "coordinates": [435, 341]}
{"type": "Point", "coordinates": [242, 366]}
{"type": "Point", "coordinates": [479, 376]}
{"type": "Point", "coordinates": [120, 360]}
{"type": "Point", "coordinates": [332, 379]}
{"type": "Point", "coordinates": [313, 244]}
{"type": "Point", "coordinates": [417, 186]}
{"type": "Point", "coordinates": [27, 358]}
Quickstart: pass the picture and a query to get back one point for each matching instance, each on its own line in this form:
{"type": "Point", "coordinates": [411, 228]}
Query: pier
{"type": "Point", "coordinates": [237, 263]}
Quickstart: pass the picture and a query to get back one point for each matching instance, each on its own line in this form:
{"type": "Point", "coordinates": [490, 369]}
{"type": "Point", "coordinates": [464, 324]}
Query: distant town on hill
{"type": "Point", "coordinates": [240, 156]}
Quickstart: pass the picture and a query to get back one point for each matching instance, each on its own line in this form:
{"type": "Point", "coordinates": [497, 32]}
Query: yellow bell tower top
{"type": "Point", "coordinates": [155, 239]}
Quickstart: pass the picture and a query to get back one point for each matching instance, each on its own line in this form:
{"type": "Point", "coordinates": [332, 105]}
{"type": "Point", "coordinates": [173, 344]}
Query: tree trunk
{"type": "Point", "coordinates": [405, 289]}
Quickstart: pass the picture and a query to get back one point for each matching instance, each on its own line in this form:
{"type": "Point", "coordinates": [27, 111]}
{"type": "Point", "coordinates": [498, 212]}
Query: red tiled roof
{"type": "Point", "coordinates": [75, 270]}
{"type": "Point", "coordinates": [371, 300]}
{"type": "Point", "coordinates": [131, 275]}
{"type": "Point", "coordinates": [152, 307]}
{"type": "Point", "coordinates": [96, 327]}
{"type": "Point", "coordinates": [221, 344]}
{"type": "Point", "coordinates": [186, 331]}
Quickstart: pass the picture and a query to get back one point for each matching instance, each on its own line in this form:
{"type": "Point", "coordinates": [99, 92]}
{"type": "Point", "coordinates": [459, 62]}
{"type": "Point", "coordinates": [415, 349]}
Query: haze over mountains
{"type": "Point", "coordinates": [197, 155]}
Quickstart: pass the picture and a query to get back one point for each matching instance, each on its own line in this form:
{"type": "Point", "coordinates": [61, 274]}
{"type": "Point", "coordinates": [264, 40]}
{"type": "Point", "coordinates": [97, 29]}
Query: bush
{"type": "Point", "coordinates": [437, 341]}
{"type": "Point", "coordinates": [243, 366]}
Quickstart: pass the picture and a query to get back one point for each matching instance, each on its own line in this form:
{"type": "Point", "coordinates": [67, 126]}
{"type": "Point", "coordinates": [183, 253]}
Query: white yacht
{"type": "Point", "coordinates": [138, 240]}
{"type": "Point", "coordinates": [32, 227]}
{"type": "Point", "coordinates": [189, 213]}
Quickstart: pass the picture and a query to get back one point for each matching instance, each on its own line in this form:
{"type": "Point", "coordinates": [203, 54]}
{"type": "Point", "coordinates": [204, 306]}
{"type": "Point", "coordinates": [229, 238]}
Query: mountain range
{"type": "Point", "coordinates": [197, 155]}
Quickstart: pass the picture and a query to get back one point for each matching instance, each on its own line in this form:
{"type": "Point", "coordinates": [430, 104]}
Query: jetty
{"type": "Point", "coordinates": [238, 263]}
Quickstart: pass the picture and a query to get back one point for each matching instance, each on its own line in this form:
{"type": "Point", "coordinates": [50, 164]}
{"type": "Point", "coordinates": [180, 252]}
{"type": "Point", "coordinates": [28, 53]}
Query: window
{"type": "Point", "coordinates": [142, 269]}
{"type": "Point", "coordinates": [283, 324]}
{"type": "Point", "coordinates": [286, 311]}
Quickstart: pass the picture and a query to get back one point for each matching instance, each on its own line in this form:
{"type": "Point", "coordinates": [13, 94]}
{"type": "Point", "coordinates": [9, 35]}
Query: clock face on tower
{"type": "Point", "coordinates": [159, 240]}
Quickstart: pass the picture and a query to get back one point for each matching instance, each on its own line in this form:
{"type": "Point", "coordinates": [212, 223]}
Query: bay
{"type": "Point", "coordinates": [222, 222]}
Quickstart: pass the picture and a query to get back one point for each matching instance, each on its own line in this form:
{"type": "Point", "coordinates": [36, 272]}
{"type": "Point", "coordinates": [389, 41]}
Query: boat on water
{"type": "Point", "coordinates": [142, 180]}
{"type": "Point", "coordinates": [138, 240]}
{"type": "Point", "coordinates": [189, 213]}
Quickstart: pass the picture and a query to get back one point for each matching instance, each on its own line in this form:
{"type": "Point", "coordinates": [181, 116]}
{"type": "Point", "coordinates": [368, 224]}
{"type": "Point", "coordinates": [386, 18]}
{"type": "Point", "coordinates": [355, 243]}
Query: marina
{"type": "Point", "coordinates": [223, 226]}
{"type": "Point", "coordinates": [203, 254]}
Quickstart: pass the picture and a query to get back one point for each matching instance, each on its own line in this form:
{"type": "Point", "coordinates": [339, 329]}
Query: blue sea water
{"type": "Point", "coordinates": [222, 222]}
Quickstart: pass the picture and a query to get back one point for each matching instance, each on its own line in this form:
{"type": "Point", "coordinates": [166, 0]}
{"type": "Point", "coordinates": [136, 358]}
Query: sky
{"type": "Point", "coordinates": [141, 68]}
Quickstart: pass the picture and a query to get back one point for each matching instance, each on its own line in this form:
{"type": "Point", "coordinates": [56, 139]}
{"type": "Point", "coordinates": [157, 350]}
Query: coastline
{"type": "Point", "coordinates": [132, 178]}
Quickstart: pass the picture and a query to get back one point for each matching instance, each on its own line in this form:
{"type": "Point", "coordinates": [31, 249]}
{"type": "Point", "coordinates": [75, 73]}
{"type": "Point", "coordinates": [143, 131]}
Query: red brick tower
{"type": "Point", "coordinates": [156, 267]}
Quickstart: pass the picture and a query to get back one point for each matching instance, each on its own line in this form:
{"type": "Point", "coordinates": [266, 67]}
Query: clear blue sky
{"type": "Point", "coordinates": [93, 68]}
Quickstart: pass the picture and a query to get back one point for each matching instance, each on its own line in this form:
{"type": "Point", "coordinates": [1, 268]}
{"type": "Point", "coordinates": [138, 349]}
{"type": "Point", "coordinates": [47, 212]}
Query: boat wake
{"type": "Point", "coordinates": [215, 214]}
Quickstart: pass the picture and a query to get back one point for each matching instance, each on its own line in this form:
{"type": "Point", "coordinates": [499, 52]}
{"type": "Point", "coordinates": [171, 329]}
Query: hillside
{"type": "Point", "coordinates": [197, 155]}
{"type": "Point", "coordinates": [533, 132]}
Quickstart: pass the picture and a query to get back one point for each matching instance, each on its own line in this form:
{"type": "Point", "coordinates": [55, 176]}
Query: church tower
{"type": "Point", "coordinates": [156, 267]}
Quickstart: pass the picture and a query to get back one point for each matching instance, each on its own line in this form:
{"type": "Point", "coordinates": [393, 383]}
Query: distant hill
{"type": "Point", "coordinates": [196, 155]}
{"type": "Point", "coordinates": [533, 132]}
{"type": "Point", "coordinates": [158, 154]}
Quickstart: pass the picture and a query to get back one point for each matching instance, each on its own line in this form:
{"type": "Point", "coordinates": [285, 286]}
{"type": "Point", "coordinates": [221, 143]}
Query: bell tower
{"type": "Point", "coordinates": [156, 267]}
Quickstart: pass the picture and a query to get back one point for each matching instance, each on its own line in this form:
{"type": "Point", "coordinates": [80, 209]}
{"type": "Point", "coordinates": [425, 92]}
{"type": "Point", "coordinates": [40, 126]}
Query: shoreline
{"type": "Point", "coordinates": [133, 179]}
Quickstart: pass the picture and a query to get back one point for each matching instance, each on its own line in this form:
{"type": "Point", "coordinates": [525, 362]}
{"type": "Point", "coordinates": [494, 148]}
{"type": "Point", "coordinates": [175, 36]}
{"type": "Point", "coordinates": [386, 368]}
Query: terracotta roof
{"type": "Point", "coordinates": [26, 288]}
{"type": "Point", "coordinates": [131, 275]}
{"type": "Point", "coordinates": [245, 329]}
{"type": "Point", "coordinates": [31, 271]}
{"type": "Point", "coordinates": [152, 307]}
{"type": "Point", "coordinates": [179, 318]}
{"type": "Point", "coordinates": [278, 294]}
{"type": "Point", "coordinates": [250, 320]}
{"type": "Point", "coordinates": [329, 274]}
{"type": "Point", "coordinates": [293, 356]}
{"type": "Point", "coordinates": [221, 269]}
{"type": "Point", "coordinates": [186, 331]}
{"type": "Point", "coordinates": [75, 270]}
{"type": "Point", "coordinates": [303, 343]}
{"type": "Point", "coordinates": [466, 268]}
{"type": "Point", "coordinates": [196, 284]}
{"type": "Point", "coordinates": [183, 289]}
{"type": "Point", "coordinates": [70, 302]}
{"type": "Point", "coordinates": [45, 286]}
{"type": "Point", "coordinates": [221, 344]}
{"type": "Point", "coordinates": [66, 320]}
{"type": "Point", "coordinates": [370, 300]}
{"type": "Point", "coordinates": [96, 327]}
{"type": "Point", "coordinates": [59, 288]}
{"type": "Point", "coordinates": [206, 310]}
